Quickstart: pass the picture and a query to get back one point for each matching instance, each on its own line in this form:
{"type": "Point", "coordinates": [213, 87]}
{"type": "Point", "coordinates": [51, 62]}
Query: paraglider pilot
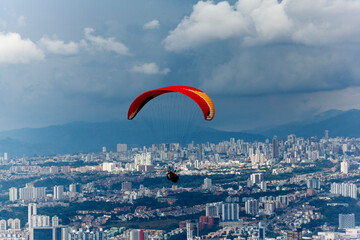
{"type": "Point", "coordinates": [171, 175]}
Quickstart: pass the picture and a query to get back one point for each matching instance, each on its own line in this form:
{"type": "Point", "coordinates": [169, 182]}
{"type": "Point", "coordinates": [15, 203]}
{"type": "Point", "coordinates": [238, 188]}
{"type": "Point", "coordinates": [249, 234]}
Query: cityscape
{"type": "Point", "coordinates": [180, 120]}
{"type": "Point", "coordinates": [292, 188]}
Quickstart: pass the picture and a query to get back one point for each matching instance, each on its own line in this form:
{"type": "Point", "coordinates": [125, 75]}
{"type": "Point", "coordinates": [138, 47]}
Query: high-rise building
{"type": "Point", "coordinates": [108, 166]}
{"type": "Point", "coordinates": [207, 183]}
{"type": "Point", "coordinates": [313, 183]}
{"type": "Point", "coordinates": [137, 234]}
{"type": "Point", "coordinates": [32, 210]}
{"type": "Point", "coordinates": [326, 136]}
{"type": "Point", "coordinates": [55, 221]}
{"type": "Point", "coordinates": [252, 207]}
{"type": "Point", "coordinates": [14, 224]}
{"type": "Point", "coordinates": [29, 192]}
{"type": "Point", "coordinates": [269, 207]}
{"type": "Point", "coordinates": [261, 231]}
{"type": "Point", "coordinates": [3, 225]}
{"type": "Point", "coordinates": [58, 192]}
{"type": "Point", "coordinates": [344, 189]}
{"type": "Point", "coordinates": [192, 229]}
{"type": "Point", "coordinates": [230, 212]}
{"type": "Point", "coordinates": [256, 178]}
{"type": "Point", "coordinates": [142, 159]}
{"type": "Point", "coordinates": [5, 156]}
{"type": "Point", "coordinates": [283, 199]}
{"type": "Point", "coordinates": [50, 233]}
{"type": "Point", "coordinates": [263, 186]}
{"type": "Point", "coordinates": [275, 148]}
{"type": "Point", "coordinates": [344, 167]}
{"type": "Point", "coordinates": [75, 187]}
{"type": "Point", "coordinates": [40, 221]}
{"type": "Point", "coordinates": [121, 147]}
{"type": "Point", "coordinates": [213, 209]}
{"type": "Point", "coordinates": [206, 222]}
{"type": "Point", "coordinates": [346, 221]}
{"type": "Point", "coordinates": [104, 149]}
{"type": "Point", "coordinates": [13, 194]}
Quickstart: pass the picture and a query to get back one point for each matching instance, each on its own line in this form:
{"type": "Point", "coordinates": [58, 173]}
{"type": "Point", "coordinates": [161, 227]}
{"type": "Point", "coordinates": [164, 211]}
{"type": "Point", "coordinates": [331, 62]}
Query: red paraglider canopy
{"type": "Point", "coordinates": [203, 100]}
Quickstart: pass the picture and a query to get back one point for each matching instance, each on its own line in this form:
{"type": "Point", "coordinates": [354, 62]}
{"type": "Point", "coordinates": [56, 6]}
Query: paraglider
{"type": "Point", "coordinates": [203, 100]}
{"type": "Point", "coordinates": [199, 97]}
{"type": "Point", "coordinates": [171, 175]}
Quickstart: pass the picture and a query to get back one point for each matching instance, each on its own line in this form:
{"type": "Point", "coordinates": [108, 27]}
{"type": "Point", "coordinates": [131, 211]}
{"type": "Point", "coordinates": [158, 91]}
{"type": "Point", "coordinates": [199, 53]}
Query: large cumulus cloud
{"type": "Point", "coordinates": [266, 21]}
{"type": "Point", "coordinates": [14, 49]}
{"type": "Point", "coordinates": [273, 47]}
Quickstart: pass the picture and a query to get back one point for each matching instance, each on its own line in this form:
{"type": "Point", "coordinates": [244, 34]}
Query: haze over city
{"type": "Point", "coordinates": [179, 120]}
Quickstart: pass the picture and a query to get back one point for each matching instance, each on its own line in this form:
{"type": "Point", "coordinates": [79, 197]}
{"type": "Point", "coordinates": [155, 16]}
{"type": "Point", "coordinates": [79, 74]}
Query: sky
{"type": "Point", "coordinates": [263, 62]}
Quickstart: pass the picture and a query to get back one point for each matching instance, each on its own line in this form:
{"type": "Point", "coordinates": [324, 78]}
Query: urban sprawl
{"type": "Point", "coordinates": [291, 188]}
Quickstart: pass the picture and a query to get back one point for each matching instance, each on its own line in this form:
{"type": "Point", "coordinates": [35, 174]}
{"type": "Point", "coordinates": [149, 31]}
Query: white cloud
{"type": "Point", "coordinates": [267, 21]}
{"type": "Point", "coordinates": [154, 24]}
{"type": "Point", "coordinates": [14, 49]}
{"type": "Point", "coordinates": [150, 69]}
{"type": "Point", "coordinates": [109, 44]}
{"type": "Point", "coordinates": [207, 22]}
{"type": "Point", "coordinates": [58, 46]}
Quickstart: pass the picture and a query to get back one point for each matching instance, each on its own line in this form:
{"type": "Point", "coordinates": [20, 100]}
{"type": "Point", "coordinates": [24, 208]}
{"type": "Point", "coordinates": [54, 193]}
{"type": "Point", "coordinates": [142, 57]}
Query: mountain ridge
{"type": "Point", "coordinates": [86, 137]}
{"type": "Point", "coordinates": [337, 122]}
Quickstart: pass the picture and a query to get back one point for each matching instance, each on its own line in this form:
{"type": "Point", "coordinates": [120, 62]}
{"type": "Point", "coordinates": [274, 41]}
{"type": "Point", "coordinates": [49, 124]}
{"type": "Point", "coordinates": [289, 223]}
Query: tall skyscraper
{"type": "Point", "coordinates": [326, 136]}
{"type": "Point", "coordinates": [263, 186]}
{"type": "Point", "coordinates": [313, 183]}
{"type": "Point", "coordinates": [252, 207]}
{"type": "Point", "coordinates": [32, 210]}
{"type": "Point", "coordinates": [52, 233]}
{"type": "Point", "coordinates": [346, 221]}
{"type": "Point", "coordinates": [213, 209]}
{"type": "Point", "coordinates": [207, 183]}
{"type": "Point", "coordinates": [55, 221]}
{"type": "Point", "coordinates": [40, 221]}
{"type": "Point", "coordinates": [261, 231]}
{"type": "Point", "coordinates": [192, 229]}
{"type": "Point", "coordinates": [3, 225]}
{"type": "Point", "coordinates": [230, 212]}
{"type": "Point", "coordinates": [344, 167]}
{"type": "Point", "coordinates": [13, 194]}
{"type": "Point", "coordinates": [283, 199]}
{"type": "Point", "coordinates": [275, 148]}
{"type": "Point", "coordinates": [58, 192]}
{"type": "Point", "coordinates": [121, 147]}
{"type": "Point", "coordinates": [137, 234]}
{"type": "Point", "coordinates": [75, 187]}
{"type": "Point", "coordinates": [256, 178]}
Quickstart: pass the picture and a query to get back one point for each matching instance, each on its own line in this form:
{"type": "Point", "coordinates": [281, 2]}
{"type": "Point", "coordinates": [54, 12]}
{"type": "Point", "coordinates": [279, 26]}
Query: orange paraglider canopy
{"type": "Point", "coordinates": [203, 100]}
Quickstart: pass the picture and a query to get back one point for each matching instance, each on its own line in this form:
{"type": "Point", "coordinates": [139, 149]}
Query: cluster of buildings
{"type": "Point", "coordinates": [30, 193]}
{"type": "Point", "coordinates": [263, 202]}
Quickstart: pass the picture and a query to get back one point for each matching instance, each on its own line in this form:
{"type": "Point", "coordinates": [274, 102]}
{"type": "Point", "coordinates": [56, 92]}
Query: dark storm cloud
{"type": "Point", "coordinates": [87, 60]}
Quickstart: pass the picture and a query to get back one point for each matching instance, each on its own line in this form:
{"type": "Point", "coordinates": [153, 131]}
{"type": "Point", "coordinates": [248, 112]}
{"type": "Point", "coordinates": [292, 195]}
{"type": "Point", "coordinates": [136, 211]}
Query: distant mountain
{"type": "Point", "coordinates": [90, 137]}
{"type": "Point", "coordinates": [339, 123]}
